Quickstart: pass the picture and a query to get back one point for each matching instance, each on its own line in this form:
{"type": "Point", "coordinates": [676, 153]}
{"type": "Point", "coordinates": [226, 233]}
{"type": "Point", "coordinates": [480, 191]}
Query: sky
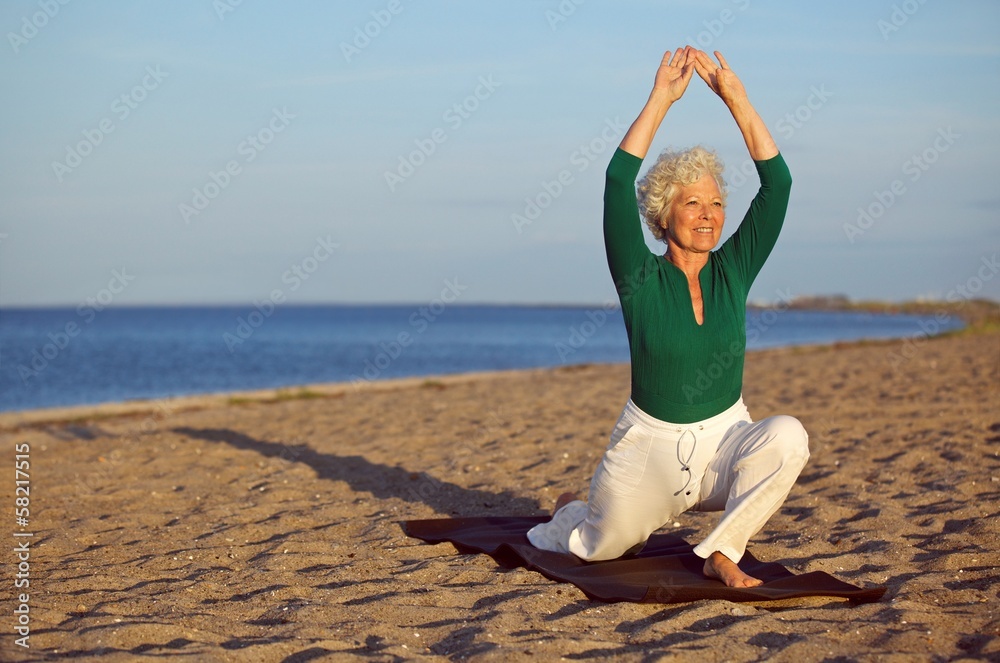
{"type": "Point", "coordinates": [390, 151]}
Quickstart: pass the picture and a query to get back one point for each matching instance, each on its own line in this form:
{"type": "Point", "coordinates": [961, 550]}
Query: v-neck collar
{"type": "Point", "coordinates": [687, 289]}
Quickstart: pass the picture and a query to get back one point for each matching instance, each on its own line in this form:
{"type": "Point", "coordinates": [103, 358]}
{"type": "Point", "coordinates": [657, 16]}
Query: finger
{"type": "Point", "coordinates": [705, 60]}
{"type": "Point", "coordinates": [708, 78]}
{"type": "Point", "coordinates": [722, 60]}
{"type": "Point", "coordinates": [706, 69]}
{"type": "Point", "coordinates": [703, 71]}
{"type": "Point", "coordinates": [678, 54]}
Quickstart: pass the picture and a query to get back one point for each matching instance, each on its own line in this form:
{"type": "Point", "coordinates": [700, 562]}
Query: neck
{"type": "Point", "coordinates": [689, 262]}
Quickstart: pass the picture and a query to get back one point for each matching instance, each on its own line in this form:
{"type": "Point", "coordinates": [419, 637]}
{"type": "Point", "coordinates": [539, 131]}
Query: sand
{"type": "Point", "coordinates": [266, 527]}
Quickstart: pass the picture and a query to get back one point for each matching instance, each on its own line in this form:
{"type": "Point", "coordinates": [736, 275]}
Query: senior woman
{"type": "Point", "coordinates": [685, 439]}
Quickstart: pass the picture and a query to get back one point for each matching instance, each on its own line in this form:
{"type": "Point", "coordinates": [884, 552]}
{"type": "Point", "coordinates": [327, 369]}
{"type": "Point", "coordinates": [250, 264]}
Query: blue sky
{"type": "Point", "coordinates": [222, 152]}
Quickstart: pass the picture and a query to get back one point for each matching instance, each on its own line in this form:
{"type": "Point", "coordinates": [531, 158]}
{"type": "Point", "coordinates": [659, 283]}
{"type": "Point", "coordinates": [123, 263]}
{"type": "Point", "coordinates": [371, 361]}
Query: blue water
{"type": "Point", "coordinates": [57, 357]}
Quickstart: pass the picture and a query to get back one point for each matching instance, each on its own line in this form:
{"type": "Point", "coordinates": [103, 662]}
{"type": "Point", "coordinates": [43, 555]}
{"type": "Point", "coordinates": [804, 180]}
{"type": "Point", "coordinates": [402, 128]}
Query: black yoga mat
{"type": "Point", "coordinates": [665, 571]}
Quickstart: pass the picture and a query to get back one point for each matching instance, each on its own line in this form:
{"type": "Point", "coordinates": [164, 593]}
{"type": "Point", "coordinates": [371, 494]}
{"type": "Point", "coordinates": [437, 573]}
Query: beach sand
{"type": "Point", "coordinates": [267, 527]}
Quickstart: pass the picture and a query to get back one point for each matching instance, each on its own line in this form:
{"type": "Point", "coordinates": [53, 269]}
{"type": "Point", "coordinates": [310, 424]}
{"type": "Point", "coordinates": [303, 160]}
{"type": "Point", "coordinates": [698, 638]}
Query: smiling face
{"type": "Point", "coordinates": [695, 217]}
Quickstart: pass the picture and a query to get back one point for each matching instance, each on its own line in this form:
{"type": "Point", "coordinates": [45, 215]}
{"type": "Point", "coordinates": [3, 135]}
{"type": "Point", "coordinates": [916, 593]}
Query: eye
{"type": "Point", "coordinates": [717, 203]}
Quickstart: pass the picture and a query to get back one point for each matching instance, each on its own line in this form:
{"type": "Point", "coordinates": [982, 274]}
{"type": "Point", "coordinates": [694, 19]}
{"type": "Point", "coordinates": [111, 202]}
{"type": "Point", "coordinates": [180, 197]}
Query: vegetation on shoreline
{"type": "Point", "coordinates": [281, 395]}
{"type": "Point", "coordinates": [979, 315]}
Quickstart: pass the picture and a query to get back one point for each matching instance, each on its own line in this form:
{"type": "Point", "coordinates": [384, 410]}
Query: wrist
{"type": "Point", "coordinates": [740, 106]}
{"type": "Point", "coordinates": [659, 103]}
{"type": "Point", "coordinates": [660, 97]}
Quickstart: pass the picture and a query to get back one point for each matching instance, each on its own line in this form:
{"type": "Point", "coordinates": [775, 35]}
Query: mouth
{"type": "Point", "coordinates": [706, 231]}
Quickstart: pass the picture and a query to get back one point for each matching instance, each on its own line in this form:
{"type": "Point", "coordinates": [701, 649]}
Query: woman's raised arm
{"type": "Point", "coordinates": [724, 82]}
{"type": "Point", "coordinates": [672, 79]}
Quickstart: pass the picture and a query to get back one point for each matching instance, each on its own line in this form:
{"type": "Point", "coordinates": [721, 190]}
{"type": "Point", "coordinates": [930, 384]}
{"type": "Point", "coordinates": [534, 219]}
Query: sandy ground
{"type": "Point", "coordinates": [266, 528]}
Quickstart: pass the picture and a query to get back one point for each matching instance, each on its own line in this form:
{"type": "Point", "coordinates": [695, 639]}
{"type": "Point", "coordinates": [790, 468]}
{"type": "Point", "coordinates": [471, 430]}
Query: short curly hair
{"type": "Point", "coordinates": [672, 170]}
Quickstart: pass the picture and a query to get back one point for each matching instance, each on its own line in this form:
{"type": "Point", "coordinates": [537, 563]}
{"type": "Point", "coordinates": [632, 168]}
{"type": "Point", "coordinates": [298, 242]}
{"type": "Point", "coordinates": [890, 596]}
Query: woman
{"type": "Point", "coordinates": [685, 439]}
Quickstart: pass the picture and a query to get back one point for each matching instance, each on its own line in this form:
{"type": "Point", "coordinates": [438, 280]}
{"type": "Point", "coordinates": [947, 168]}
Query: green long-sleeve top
{"type": "Point", "coordinates": [684, 372]}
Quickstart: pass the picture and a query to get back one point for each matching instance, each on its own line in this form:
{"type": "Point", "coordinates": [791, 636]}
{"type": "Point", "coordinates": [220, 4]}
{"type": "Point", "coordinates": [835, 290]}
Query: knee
{"type": "Point", "coordinates": [607, 550]}
{"type": "Point", "coordinates": [790, 435]}
{"type": "Point", "coordinates": [593, 545]}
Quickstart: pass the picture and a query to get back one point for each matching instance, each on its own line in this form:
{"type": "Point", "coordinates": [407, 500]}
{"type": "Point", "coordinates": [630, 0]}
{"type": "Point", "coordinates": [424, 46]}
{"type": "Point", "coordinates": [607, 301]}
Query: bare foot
{"type": "Point", "coordinates": [565, 499]}
{"type": "Point", "coordinates": [722, 568]}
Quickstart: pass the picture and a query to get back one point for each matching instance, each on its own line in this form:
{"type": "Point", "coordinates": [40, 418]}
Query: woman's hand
{"type": "Point", "coordinates": [724, 82]}
{"type": "Point", "coordinates": [720, 78]}
{"type": "Point", "coordinates": [674, 74]}
{"type": "Point", "coordinates": [672, 78]}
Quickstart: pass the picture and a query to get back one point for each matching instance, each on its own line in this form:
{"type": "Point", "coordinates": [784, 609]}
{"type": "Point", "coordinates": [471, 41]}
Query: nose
{"type": "Point", "coordinates": [712, 212]}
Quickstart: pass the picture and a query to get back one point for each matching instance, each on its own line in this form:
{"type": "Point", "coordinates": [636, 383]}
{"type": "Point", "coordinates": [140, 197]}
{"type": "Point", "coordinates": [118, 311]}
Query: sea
{"type": "Point", "coordinates": [63, 356]}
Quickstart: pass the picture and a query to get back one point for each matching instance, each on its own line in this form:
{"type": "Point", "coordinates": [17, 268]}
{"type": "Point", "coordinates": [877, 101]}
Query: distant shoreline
{"type": "Point", "coordinates": [976, 313]}
{"type": "Point", "coordinates": [807, 302]}
{"type": "Point", "coordinates": [982, 320]}
{"type": "Point", "coordinates": [979, 316]}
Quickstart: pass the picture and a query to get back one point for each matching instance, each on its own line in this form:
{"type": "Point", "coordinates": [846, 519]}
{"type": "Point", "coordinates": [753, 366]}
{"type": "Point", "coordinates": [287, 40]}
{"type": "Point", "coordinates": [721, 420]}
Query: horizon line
{"type": "Point", "coordinates": [760, 303]}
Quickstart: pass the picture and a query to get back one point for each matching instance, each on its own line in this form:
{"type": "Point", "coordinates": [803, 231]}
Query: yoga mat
{"type": "Point", "coordinates": [665, 571]}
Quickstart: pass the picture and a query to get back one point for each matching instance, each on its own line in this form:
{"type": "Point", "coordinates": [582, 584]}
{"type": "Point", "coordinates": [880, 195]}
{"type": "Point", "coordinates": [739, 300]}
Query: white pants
{"type": "Point", "coordinates": [655, 470]}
